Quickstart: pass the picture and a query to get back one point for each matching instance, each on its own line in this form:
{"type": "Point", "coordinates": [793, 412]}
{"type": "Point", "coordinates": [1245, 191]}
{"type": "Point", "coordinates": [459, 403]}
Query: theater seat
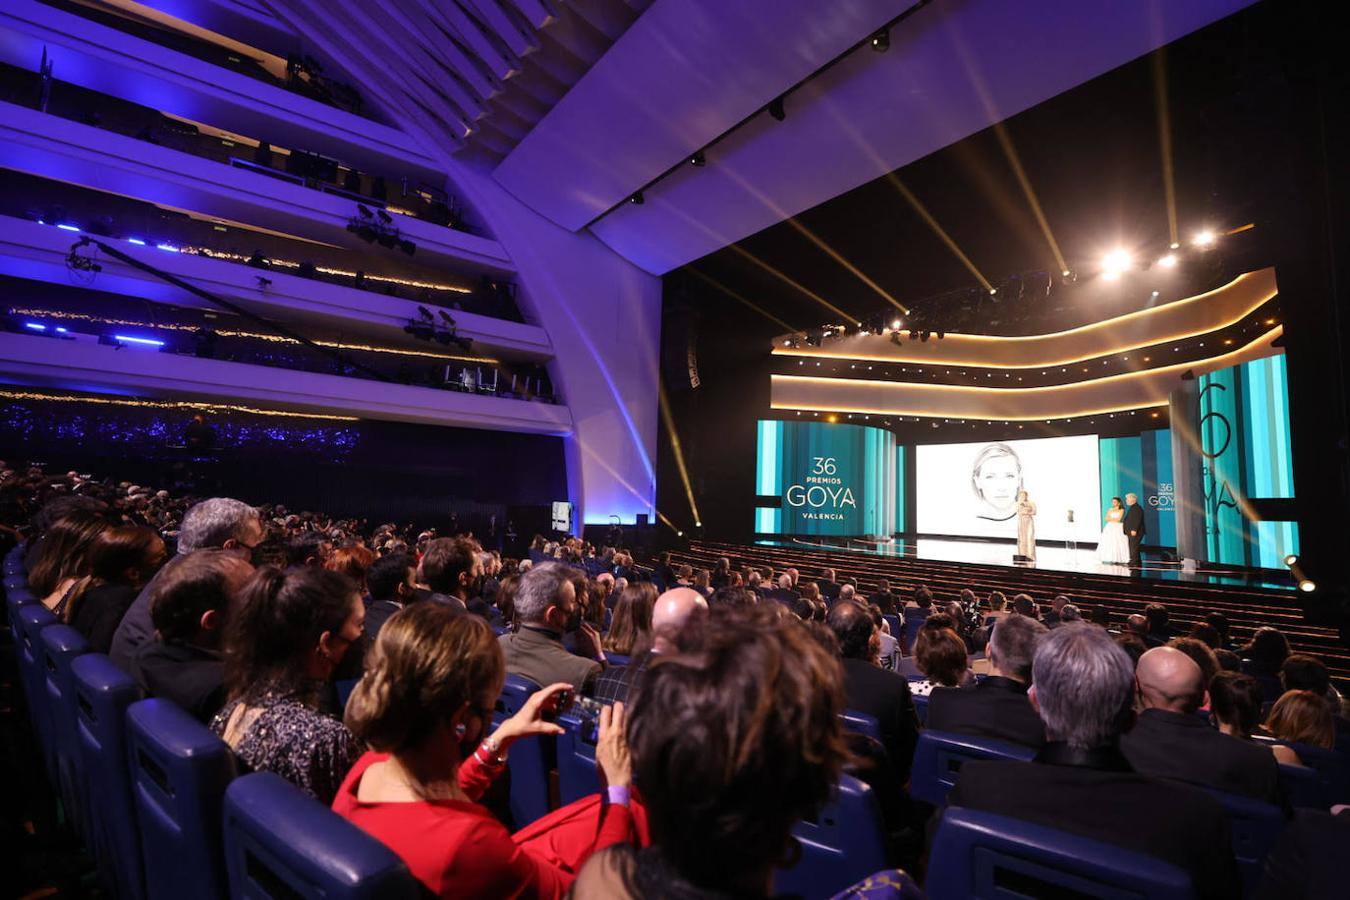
{"type": "Point", "coordinates": [179, 772]}
{"type": "Point", "coordinates": [530, 761]}
{"type": "Point", "coordinates": [921, 708]}
{"type": "Point", "coordinates": [33, 618]}
{"type": "Point", "coordinates": [1254, 827]}
{"type": "Point", "coordinates": [1303, 788]}
{"type": "Point", "coordinates": [979, 854]}
{"type": "Point", "coordinates": [14, 601]}
{"type": "Point", "coordinates": [892, 884]}
{"type": "Point", "coordinates": [862, 723]}
{"type": "Point", "coordinates": [60, 645]}
{"type": "Point", "coordinates": [617, 659]}
{"type": "Point", "coordinates": [282, 843]}
{"type": "Point", "coordinates": [843, 845]}
{"type": "Point", "coordinates": [102, 694]}
{"type": "Point", "coordinates": [577, 775]}
{"type": "Point", "coordinates": [939, 755]}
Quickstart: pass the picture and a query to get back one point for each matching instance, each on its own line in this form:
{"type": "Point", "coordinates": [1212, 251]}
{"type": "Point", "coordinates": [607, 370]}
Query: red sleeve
{"type": "Point", "coordinates": [475, 778]}
{"type": "Point", "coordinates": [488, 863]}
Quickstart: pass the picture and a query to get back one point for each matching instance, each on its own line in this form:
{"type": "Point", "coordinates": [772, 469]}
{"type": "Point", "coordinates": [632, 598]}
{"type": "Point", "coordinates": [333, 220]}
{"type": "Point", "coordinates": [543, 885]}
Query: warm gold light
{"type": "Point", "coordinates": [170, 404]}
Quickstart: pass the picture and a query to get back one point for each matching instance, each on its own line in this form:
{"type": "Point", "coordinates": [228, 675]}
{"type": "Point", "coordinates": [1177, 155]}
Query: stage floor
{"type": "Point", "coordinates": [1053, 558]}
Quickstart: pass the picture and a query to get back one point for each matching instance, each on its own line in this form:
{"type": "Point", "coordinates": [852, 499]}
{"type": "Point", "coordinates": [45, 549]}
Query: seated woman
{"type": "Point", "coordinates": [290, 632]}
{"type": "Point", "coordinates": [121, 560]}
{"type": "Point", "coordinates": [732, 745]}
{"type": "Point", "coordinates": [1235, 704]}
{"type": "Point", "coordinates": [630, 631]}
{"type": "Point", "coordinates": [1302, 717]}
{"type": "Point", "coordinates": [425, 707]}
{"type": "Point", "coordinates": [63, 557]}
{"type": "Point", "coordinates": [941, 656]}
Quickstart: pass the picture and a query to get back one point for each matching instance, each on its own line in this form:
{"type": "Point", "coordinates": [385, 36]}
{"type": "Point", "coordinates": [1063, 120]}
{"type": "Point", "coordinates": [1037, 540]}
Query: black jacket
{"type": "Point", "coordinates": [1134, 521]}
{"type": "Point", "coordinates": [1184, 747]}
{"type": "Point", "coordinates": [1095, 794]}
{"type": "Point", "coordinates": [192, 677]}
{"type": "Point", "coordinates": [884, 695]}
{"type": "Point", "coordinates": [995, 708]}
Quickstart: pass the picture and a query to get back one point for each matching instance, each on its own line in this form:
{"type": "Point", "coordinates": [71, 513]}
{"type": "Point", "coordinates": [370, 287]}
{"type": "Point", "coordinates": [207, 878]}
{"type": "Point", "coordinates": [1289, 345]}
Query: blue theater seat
{"type": "Point", "coordinates": [282, 843]}
{"type": "Point", "coordinates": [1303, 788]}
{"type": "Point", "coordinates": [33, 618]}
{"type": "Point", "coordinates": [15, 581]}
{"type": "Point", "coordinates": [14, 601]}
{"type": "Point", "coordinates": [60, 645]}
{"type": "Point", "coordinates": [102, 694]}
{"type": "Point", "coordinates": [845, 844]}
{"type": "Point", "coordinates": [617, 659]}
{"type": "Point", "coordinates": [939, 755]}
{"type": "Point", "coordinates": [921, 708]}
{"type": "Point", "coordinates": [179, 772]}
{"type": "Point", "coordinates": [862, 723]}
{"type": "Point", "coordinates": [1255, 827]}
{"type": "Point", "coordinates": [530, 761]}
{"type": "Point", "coordinates": [577, 775]}
{"type": "Point", "coordinates": [979, 854]}
{"type": "Point", "coordinates": [891, 884]}
{"type": "Point", "coordinates": [1332, 768]}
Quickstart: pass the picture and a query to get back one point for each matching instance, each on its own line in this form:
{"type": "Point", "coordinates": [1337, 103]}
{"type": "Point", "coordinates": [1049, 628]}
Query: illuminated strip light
{"type": "Point", "coordinates": [274, 338]}
{"type": "Point", "coordinates": [1214, 362]}
{"type": "Point", "coordinates": [289, 264]}
{"type": "Point", "coordinates": [144, 342]}
{"type": "Point", "coordinates": [954, 338]}
{"type": "Point", "coordinates": [171, 404]}
{"type": "Point", "coordinates": [34, 326]}
{"type": "Point", "coordinates": [64, 227]}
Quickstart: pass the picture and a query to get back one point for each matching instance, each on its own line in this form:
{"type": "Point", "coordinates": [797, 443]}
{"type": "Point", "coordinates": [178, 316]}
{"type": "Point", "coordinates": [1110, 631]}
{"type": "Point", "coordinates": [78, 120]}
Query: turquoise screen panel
{"type": "Point", "coordinates": [817, 478]}
{"type": "Point", "coordinates": [1245, 444]}
{"type": "Point", "coordinates": [1142, 464]}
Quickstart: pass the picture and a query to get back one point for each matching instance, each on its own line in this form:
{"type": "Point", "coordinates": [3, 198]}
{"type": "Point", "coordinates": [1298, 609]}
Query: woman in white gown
{"type": "Point", "coordinates": [1114, 546]}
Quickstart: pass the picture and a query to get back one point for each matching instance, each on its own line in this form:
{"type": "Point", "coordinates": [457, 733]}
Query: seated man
{"type": "Point", "coordinates": [546, 607]}
{"type": "Point", "coordinates": [391, 586]}
{"type": "Point", "coordinates": [996, 707]}
{"type": "Point", "coordinates": [449, 568]}
{"type": "Point", "coordinates": [1170, 741]}
{"type": "Point", "coordinates": [1159, 625]}
{"type": "Point", "coordinates": [677, 622]}
{"type": "Point", "coordinates": [870, 689]}
{"type": "Point", "coordinates": [1083, 689]}
{"type": "Point", "coordinates": [783, 593]}
{"type": "Point", "coordinates": [189, 606]}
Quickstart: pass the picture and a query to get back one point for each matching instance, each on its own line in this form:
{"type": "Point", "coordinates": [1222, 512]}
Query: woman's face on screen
{"type": "Point", "coordinates": [998, 480]}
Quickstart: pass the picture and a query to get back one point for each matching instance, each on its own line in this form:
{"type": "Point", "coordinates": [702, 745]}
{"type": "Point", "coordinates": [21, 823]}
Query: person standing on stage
{"type": "Point", "coordinates": [1026, 527]}
{"type": "Point", "coordinates": [1134, 528]}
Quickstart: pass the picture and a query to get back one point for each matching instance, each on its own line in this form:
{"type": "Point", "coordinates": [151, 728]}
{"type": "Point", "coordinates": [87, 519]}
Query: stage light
{"type": "Point", "coordinates": [698, 524]}
{"type": "Point", "coordinates": [1169, 261]}
{"type": "Point", "coordinates": [34, 326]}
{"type": "Point", "coordinates": [637, 199]}
{"type": "Point", "coordinates": [1204, 239]}
{"type": "Point", "coordinates": [881, 41]}
{"type": "Point", "coordinates": [1066, 273]}
{"type": "Point", "coordinates": [1307, 585]}
{"type": "Point", "coordinates": [1116, 263]}
{"type": "Point", "coordinates": [993, 291]}
{"type": "Point", "coordinates": [777, 110]}
{"type": "Point", "coordinates": [698, 160]}
{"type": "Point", "coordinates": [169, 247]}
{"type": "Point", "coordinates": [923, 336]}
{"type": "Point", "coordinates": [144, 342]}
{"type": "Point", "coordinates": [137, 241]}
{"type": "Point", "coordinates": [1291, 559]}
{"type": "Point", "coordinates": [1154, 295]}
{"type": "Point", "coordinates": [64, 227]}
{"type": "Point", "coordinates": [895, 325]}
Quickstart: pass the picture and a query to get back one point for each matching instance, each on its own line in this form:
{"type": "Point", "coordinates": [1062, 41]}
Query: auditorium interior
{"type": "Point", "coordinates": [876, 449]}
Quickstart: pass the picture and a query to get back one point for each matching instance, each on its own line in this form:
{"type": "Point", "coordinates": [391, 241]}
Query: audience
{"type": "Point", "coordinates": [1200, 654]}
{"type": "Point", "coordinates": [64, 557]}
{"type": "Point", "coordinates": [731, 746]}
{"type": "Point", "coordinates": [1235, 705]}
{"type": "Point", "coordinates": [631, 627]}
{"type": "Point", "coordinates": [546, 606]}
{"type": "Point", "coordinates": [354, 562]}
{"type": "Point", "coordinates": [1302, 717]}
{"type": "Point", "coordinates": [1170, 741]}
{"type": "Point", "coordinates": [424, 708]}
{"type": "Point", "coordinates": [1083, 687]}
{"type": "Point", "coordinates": [390, 585]}
{"type": "Point", "coordinates": [872, 690]}
{"type": "Point", "coordinates": [190, 606]}
{"type": "Point", "coordinates": [1159, 630]}
{"type": "Point", "coordinates": [120, 560]}
{"type": "Point", "coordinates": [449, 568]}
{"type": "Point", "coordinates": [941, 657]}
{"type": "Point", "coordinates": [678, 618]}
{"type": "Point", "coordinates": [292, 629]}
{"type": "Point", "coordinates": [1263, 657]}
{"type": "Point", "coordinates": [996, 707]}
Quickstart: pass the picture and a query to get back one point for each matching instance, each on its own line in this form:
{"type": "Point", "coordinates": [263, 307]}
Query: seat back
{"type": "Point", "coordinates": [862, 723]}
{"type": "Point", "coordinates": [33, 618]}
{"type": "Point", "coordinates": [1303, 787]}
{"type": "Point", "coordinates": [1254, 827]}
{"type": "Point", "coordinates": [102, 694]}
{"type": "Point", "coordinates": [913, 618]}
{"type": "Point", "coordinates": [844, 844]}
{"type": "Point", "coordinates": [179, 772]}
{"type": "Point", "coordinates": [921, 708]}
{"type": "Point", "coordinates": [979, 854]}
{"type": "Point", "coordinates": [282, 843]}
{"type": "Point", "coordinates": [1332, 768]}
{"type": "Point", "coordinates": [531, 761]}
{"type": "Point", "coordinates": [14, 601]}
{"type": "Point", "coordinates": [577, 775]}
{"type": "Point", "coordinates": [617, 659]}
{"type": "Point", "coordinates": [60, 644]}
{"type": "Point", "coordinates": [939, 755]}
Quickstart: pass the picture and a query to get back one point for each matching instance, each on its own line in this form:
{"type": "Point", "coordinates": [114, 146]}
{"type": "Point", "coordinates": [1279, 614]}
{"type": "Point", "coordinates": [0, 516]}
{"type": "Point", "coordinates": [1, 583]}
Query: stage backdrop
{"type": "Point", "coordinates": [1142, 464]}
{"type": "Point", "coordinates": [816, 478]}
{"type": "Point", "coordinates": [971, 489]}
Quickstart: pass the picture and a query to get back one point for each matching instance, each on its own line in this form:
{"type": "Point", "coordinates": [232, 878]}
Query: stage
{"type": "Point", "coordinates": [1052, 557]}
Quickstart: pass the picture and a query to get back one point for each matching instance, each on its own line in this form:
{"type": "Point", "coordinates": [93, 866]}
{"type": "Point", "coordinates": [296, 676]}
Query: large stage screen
{"type": "Point", "coordinates": [971, 489]}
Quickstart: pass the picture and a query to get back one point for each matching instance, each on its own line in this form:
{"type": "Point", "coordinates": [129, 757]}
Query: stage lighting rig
{"type": "Point", "coordinates": [698, 160]}
{"type": "Point", "coordinates": [881, 41]}
{"type": "Point", "coordinates": [378, 228]}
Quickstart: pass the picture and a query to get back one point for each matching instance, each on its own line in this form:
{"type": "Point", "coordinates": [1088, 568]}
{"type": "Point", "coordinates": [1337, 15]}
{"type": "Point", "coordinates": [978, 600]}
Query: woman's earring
{"type": "Point", "coordinates": [459, 730]}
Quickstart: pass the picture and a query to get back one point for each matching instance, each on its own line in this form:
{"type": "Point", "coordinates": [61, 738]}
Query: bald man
{"type": "Point", "coordinates": [1173, 739]}
{"type": "Point", "coordinates": [677, 619]}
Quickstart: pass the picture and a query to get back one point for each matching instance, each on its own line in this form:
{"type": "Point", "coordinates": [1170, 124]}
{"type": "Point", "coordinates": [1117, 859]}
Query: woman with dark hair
{"type": "Point", "coordinates": [1263, 657]}
{"type": "Point", "coordinates": [941, 656]}
{"type": "Point", "coordinates": [121, 560]}
{"type": "Point", "coordinates": [292, 629]}
{"type": "Point", "coordinates": [732, 745]}
{"type": "Point", "coordinates": [632, 625]}
{"type": "Point", "coordinates": [64, 556]}
{"type": "Point", "coordinates": [425, 707]}
{"type": "Point", "coordinates": [1235, 704]}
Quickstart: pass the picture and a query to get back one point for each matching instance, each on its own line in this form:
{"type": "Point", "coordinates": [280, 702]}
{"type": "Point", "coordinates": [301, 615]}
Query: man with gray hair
{"type": "Point", "coordinates": [547, 607]}
{"type": "Point", "coordinates": [219, 523]}
{"type": "Point", "coordinates": [997, 706]}
{"type": "Point", "coordinates": [1080, 783]}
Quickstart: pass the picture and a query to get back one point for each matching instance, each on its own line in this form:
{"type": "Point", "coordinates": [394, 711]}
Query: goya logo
{"type": "Point", "coordinates": [822, 495]}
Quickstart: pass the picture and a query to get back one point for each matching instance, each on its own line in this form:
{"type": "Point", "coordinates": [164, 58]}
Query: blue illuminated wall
{"type": "Point", "coordinates": [816, 478]}
{"type": "Point", "coordinates": [1142, 464]}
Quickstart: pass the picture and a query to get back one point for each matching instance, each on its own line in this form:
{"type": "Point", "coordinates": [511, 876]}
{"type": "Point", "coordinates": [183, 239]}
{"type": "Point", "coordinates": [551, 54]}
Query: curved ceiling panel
{"type": "Point", "coordinates": [1135, 390]}
{"type": "Point", "coordinates": [1178, 320]}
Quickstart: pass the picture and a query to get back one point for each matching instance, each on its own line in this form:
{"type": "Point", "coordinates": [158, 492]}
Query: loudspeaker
{"type": "Point", "coordinates": [679, 347]}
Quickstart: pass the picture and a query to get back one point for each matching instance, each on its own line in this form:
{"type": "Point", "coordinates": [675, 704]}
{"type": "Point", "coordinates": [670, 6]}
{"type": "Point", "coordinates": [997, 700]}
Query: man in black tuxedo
{"type": "Point", "coordinates": [1170, 741]}
{"type": "Point", "coordinates": [997, 706]}
{"type": "Point", "coordinates": [1080, 782]}
{"type": "Point", "coordinates": [1134, 528]}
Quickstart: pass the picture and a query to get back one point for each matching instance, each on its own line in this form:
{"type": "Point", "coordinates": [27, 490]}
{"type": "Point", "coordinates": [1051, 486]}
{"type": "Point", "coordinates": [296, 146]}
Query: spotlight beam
{"type": "Point", "coordinates": [788, 280]}
{"type": "Point", "coordinates": [708, 279]}
{"type": "Point", "coordinates": [938, 230]}
{"type": "Point", "coordinates": [835, 255]}
{"type": "Point", "coordinates": [1015, 163]}
{"type": "Point", "coordinates": [669, 421]}
{"type": "Point", "coordinates": [1165, 140]}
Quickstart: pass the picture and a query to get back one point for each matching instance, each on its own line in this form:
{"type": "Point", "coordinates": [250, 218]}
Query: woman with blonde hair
{"type": "Point", "coordinates": [1302, 717]}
